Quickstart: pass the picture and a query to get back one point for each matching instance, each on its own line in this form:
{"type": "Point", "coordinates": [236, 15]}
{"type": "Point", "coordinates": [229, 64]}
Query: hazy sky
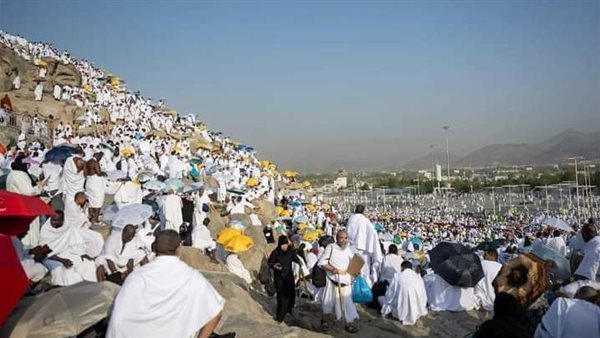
{"type": "Point", "coordinates": [313, 83]}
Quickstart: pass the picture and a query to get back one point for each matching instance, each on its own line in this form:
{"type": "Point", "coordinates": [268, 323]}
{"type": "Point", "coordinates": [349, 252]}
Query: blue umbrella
{"type": "Point", "coordinates": [174, 184]}
{"type": "Point", "coordinates": [59, 155]}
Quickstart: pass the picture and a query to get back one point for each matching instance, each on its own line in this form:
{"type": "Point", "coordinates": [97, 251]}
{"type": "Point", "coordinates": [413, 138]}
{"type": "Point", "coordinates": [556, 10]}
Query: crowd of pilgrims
{"type": "Point", "coordinates": [115, 165]}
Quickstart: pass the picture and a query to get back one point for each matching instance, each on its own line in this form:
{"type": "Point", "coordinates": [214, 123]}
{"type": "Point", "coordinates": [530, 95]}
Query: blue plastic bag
{"type": "Point", "coordinates": [361, 292]}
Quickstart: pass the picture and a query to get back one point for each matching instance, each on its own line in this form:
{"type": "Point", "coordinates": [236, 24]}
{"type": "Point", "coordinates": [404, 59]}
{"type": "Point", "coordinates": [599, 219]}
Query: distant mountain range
{"type": "Point", "coordinates": [553, 150]}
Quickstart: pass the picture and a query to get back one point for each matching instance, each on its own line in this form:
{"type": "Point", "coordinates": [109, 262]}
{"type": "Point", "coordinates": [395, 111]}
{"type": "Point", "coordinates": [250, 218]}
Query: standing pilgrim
{"type": "Point", "coordinates": [56, 93]}
{"type": "Point", "coordinates": [484, 290]}
{"type": "Point", "coordinates": [19, 181]}
{"type": "Point", "coordinates": [280, 261]}
{"type": "Point", "coordinates": [39, 91]}
{"type": "Point", "coordinates": [171, 214]}
{"type": "Point", "coordinates": [73, 179]}
{"type": "Point", "coordinates": [363, 237]}
{"type": "Point", "coordinates": [337, 295]}
{"type": "Point", "coordinates": [95, 186]}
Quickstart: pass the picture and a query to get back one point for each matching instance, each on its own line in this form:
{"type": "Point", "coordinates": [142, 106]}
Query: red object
{"type": "Point", "coordinates": [18, 211]}
{"type": "Point", "coordinates": [13, 282]}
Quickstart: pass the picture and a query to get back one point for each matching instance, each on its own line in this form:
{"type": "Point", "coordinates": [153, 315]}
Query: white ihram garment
{"type": "Point", "coordinates": [484, 290]}
{"type": "Point", "coordinates": [165, 298]}
{"type": "Point", "coordinates": [406, 298]}
{"type": "Point", "coordinates": [330, 299]}
{"type": "Point", "coordinates": [67, 242]}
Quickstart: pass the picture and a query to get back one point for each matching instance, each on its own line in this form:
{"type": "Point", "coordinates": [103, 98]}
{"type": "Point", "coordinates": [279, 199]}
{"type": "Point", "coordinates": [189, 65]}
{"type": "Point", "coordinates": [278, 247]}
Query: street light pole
{"type": "Point", "coordinates": [577, 186]}
{"type": "Point", "coordinates": [447, 152]}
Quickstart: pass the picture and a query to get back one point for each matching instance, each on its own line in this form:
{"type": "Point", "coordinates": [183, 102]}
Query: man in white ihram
{"type": "Point", "coordinates": [166, 298]}
{"type": "Point", "coordinates": [406, 298]}
{"type": "Point", "coordinates": [335, 261]}
{"type": "Point", "coordinates": [363, 237]}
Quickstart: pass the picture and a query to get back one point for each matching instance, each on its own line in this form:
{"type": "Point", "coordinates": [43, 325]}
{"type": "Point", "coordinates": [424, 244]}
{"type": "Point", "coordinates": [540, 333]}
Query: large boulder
{"type": "Point", "coordinates": [58, 73]}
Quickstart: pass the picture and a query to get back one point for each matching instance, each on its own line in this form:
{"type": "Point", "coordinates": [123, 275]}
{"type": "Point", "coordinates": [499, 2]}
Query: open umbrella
{"type": "Point", "coordinates": [311, 236]}
{"type": "Point", "coordinates": [236, 191]}
{"type": "Point", "coordinates": [173, 184]}
{"type": "Point", "coordinates": [556, 223]}
{"type": "Point", "coordinates": [239, 243]}
{"type": "Point", "coordinates": [18, 211]}
{"type": "Point", "coordinates": [252, 182]}
{"type": "Point", "coordinates": [301, 219]}
{"type": "Point", "coordinates": [110, 212]}
{"type": "Point", "coordinates": [456, 264]}
{"type": "Point", "coordinates": [132, 214]}
{"type": "Point", "coordinates": [154, 185]}
{"type": "Point", "coordinates": [226, 234]}
{"type": "Point", "coordinates": [61, 312]}
{"type": "Point", "coordinates": [525, 277]}
{"type": "Point", "coordinates": [188, 188]}
{"type": "Point", "coordinates": [560, 269]}
{"type": "Point", "coordinates": [115, 175]}
{"type": "Point", "coordinates": [14, 281]}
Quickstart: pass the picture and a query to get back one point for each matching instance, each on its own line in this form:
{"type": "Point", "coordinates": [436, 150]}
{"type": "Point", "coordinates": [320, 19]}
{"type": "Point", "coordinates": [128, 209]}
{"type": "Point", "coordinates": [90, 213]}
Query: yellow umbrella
{"type": "Point", "coordinates": [278, 210]}
{"type": "Point", "coordinates": [265, 163]}
{"type": "Point", "coordinates": [41, 63]}
{"type": "Point", "coordinates": [311, 236]}
{"type": "Point", "coordinates": [310, 207]}
{"type": "Point", "coordinates": [306, 184]}
{"type": "Point", "coordinates": [285, 213]}
{"type": "Point", "coordinates": [290, 173]}
{"type": "Point", "coordinates": [252, 182]}
{"type": "Point", "coordinates": [239, 243]}
{"type": "Point", "coordinates": [320, 232]}
{"type": "Point", "coordinates": [302, 226]}
{"type": "Point", "coordinates": [226, 234]}
{"type": "Point", "coordinates": [126, 152]}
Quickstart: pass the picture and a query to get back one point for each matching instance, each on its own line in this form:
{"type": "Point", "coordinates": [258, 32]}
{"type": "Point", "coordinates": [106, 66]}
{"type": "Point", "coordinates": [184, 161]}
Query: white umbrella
{"type": "Point", "coordinates": [556, 223]}
{"type": "Point", "coordinates": [154, 185]}
{"type": "Point", "coordinates": [301, 219]}
{"type": "Point", "coordinates": [132, 214]}
{"type": "Point", "coordinates": [115, 175]}
{"type": "Point", "coordinates": [110, 212]}
{"type": "Point", "coordinates": [192, 187]}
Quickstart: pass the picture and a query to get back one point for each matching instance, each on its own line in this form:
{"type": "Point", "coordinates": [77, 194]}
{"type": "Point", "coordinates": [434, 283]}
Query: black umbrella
{"type": "Point", "coordinates": [456, 264]}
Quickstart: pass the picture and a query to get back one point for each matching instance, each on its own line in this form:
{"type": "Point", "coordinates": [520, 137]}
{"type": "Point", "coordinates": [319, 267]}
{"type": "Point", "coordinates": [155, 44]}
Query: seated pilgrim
{"type": "Point", "coordinates": [445, 297]}
{"type": "Point", "coordinates": [406, 298]}
{"type": "Point", "coordinates": [68, 260]}
{"type": "Point", "coordinates": [578, 317]}
{"type": "Point", "coordinates": [166, 298]}
{"type": "Point", "coordinates": [123, 252]}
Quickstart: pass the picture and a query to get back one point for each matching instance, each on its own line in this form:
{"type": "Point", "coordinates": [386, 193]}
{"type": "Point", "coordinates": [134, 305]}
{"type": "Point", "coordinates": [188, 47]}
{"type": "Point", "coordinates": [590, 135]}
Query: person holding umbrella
{"type": "Point", "coordinates": [280, 261]}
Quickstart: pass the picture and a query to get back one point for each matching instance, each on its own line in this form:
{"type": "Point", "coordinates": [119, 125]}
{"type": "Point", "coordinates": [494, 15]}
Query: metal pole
{"type": "Point", "coordinates": [577, 191]}
{"type": "Point", "coordinates": [547, 209]}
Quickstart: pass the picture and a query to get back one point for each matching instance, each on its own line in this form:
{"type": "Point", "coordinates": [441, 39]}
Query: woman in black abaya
{"type": "Point", "coordinates": [280, 261]}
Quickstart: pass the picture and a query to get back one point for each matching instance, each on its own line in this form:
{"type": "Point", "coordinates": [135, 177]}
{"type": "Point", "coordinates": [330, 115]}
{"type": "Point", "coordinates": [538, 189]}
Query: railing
{"type": "Point", "coordinates": [23, 122]}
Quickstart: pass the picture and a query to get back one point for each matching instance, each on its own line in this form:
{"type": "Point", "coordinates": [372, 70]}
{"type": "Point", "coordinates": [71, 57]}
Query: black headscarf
{"type": "Point", "coordinates": [283, 257]}
{"type": "Point", "coordinates": [18, 165]}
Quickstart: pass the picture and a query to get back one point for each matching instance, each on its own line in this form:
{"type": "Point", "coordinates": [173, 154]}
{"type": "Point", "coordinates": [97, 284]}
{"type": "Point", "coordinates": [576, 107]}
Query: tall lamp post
{"type": "Point", "coordinates": [447, 152]}
{"type": "Point", "coordinates": [577, 185]}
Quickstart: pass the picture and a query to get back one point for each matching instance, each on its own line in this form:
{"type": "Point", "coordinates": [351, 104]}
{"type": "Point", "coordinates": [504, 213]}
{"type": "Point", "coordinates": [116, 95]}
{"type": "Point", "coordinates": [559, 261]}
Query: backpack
{"type": "Point", "coordinates": [318, 274]}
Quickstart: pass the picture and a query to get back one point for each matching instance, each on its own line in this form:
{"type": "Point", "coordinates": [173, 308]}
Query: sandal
{"type": "Point", "coordinates": [351, 328]}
